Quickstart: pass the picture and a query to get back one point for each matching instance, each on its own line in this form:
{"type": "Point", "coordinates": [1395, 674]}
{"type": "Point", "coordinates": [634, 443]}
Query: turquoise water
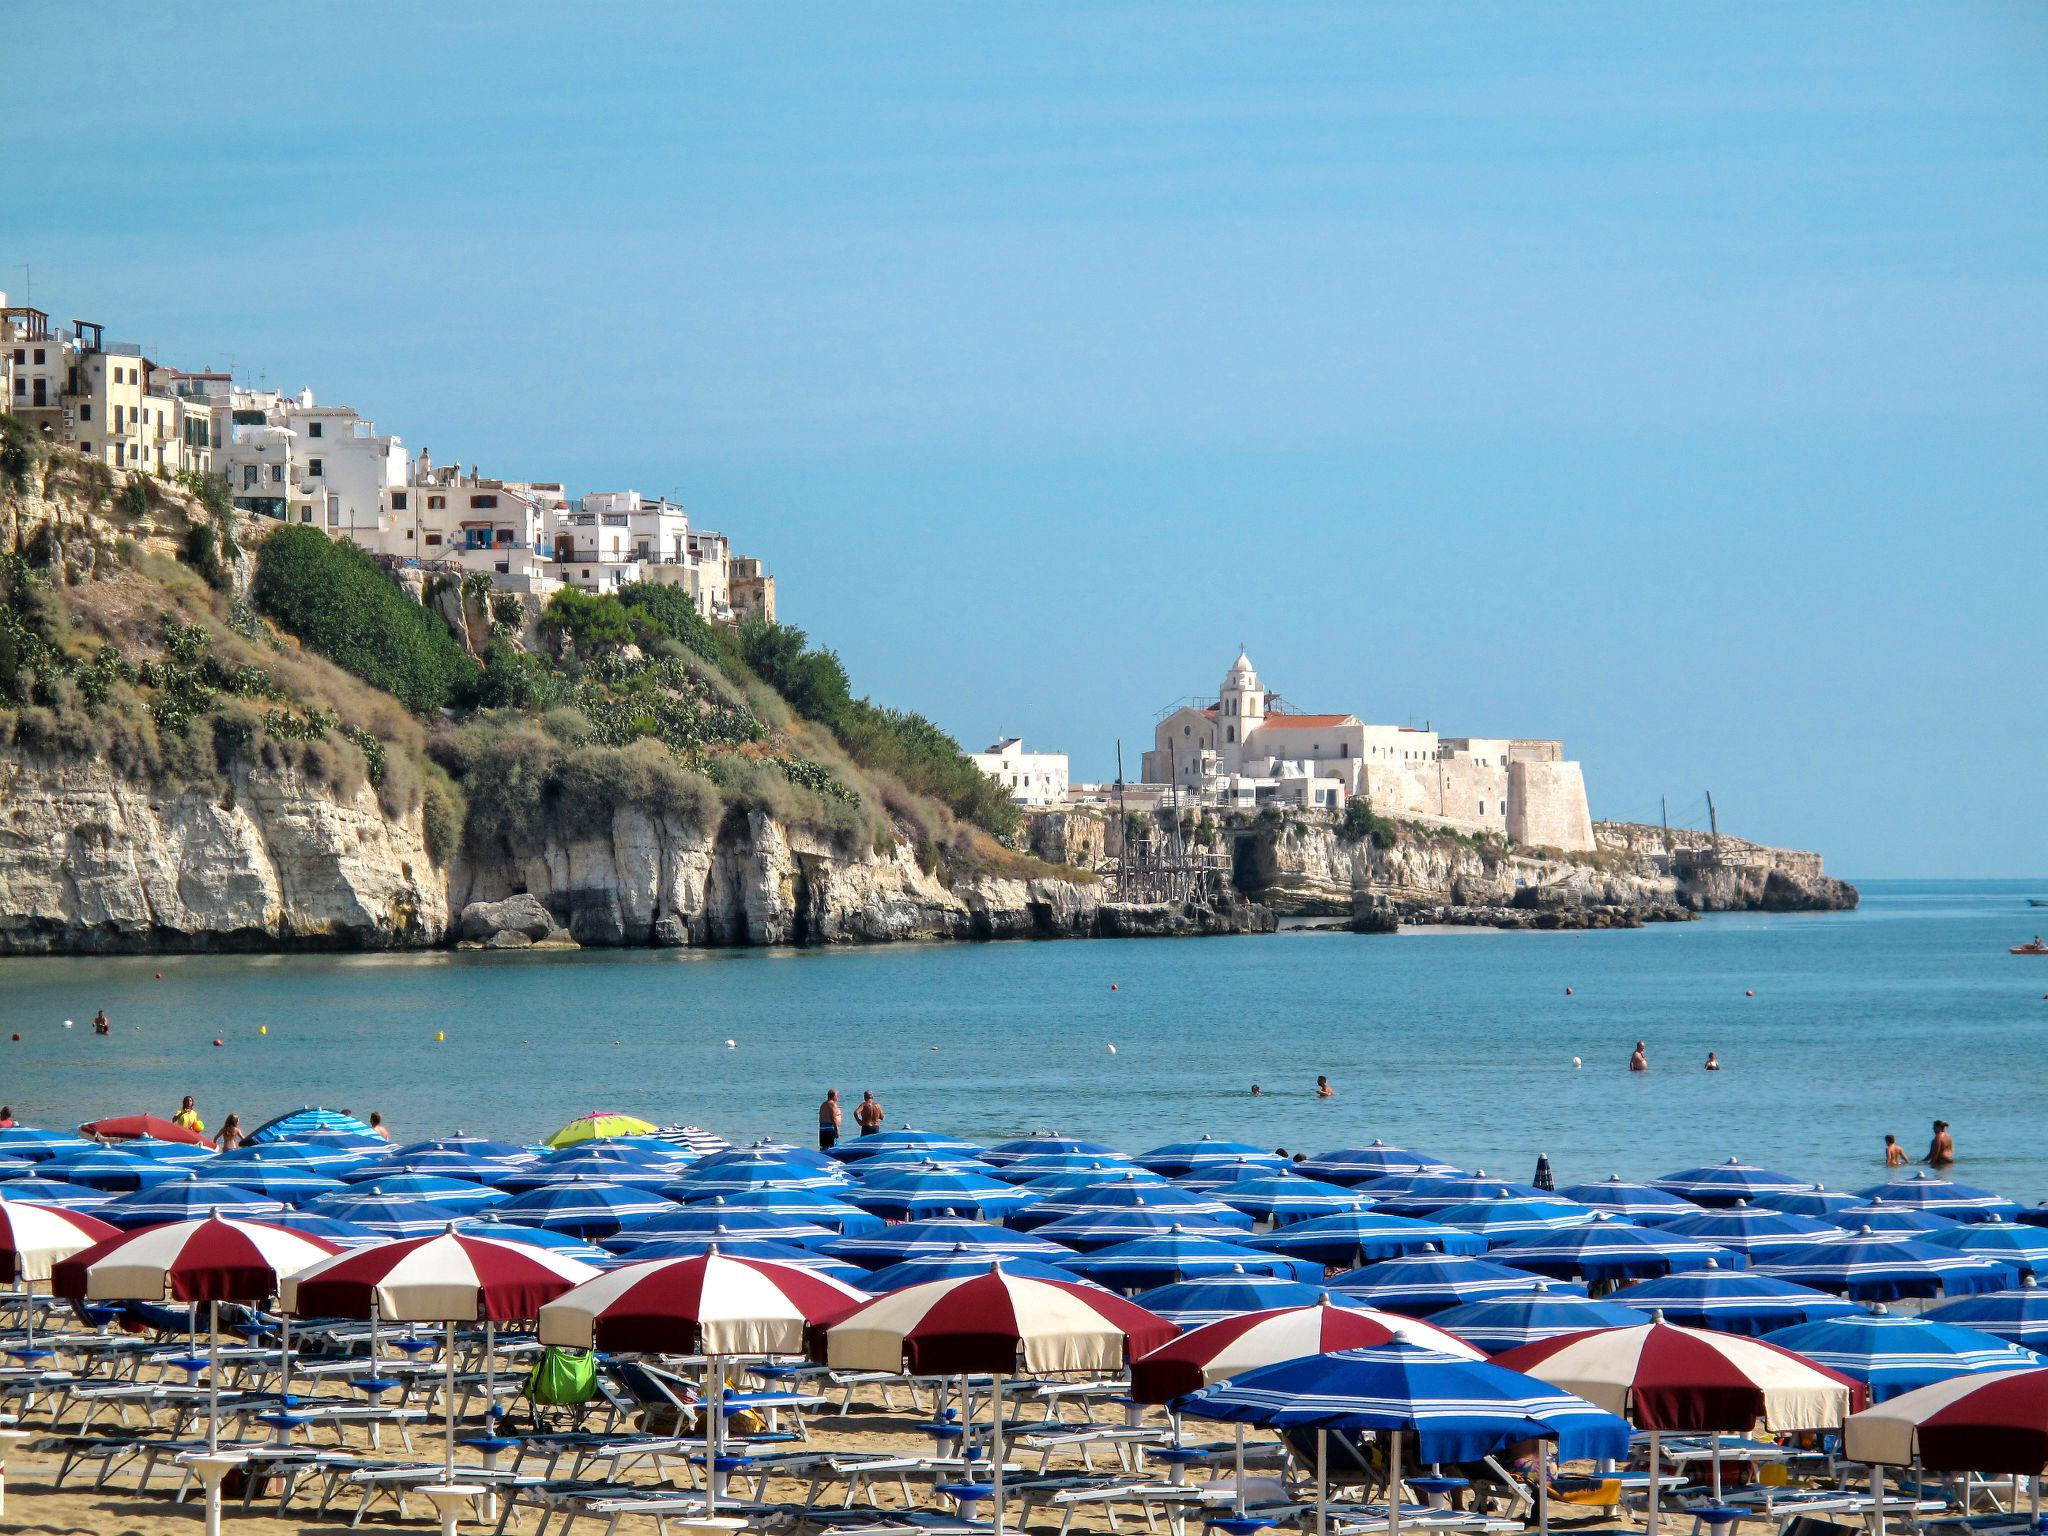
{"type": "Point", "coordinates": [1458, 1043]}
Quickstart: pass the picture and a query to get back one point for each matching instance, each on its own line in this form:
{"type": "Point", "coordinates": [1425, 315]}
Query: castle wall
{"type": "Point", "coordinates": [1464, 791]}
{"type": "Point", "coordinates": [1549, 806]}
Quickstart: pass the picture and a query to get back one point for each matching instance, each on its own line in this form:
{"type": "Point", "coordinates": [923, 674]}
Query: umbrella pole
{"type": "Point", "coordinates": [284, 1359]}
{"type": "Point", "coordinates": [1322, 1482]}
{"type": "Point", "coordinates": [448, 1387]}
{"type": "Point", "coordinates": [1714, 1444]}
{"type": "Point", "coordinates": [714, 1439]}
{"type": "Point", "coordinates": [1240, 1469]}
{"type": "Point", "coordinates": [28, 1288]}
{"type": "Point", "coordinates": [1656, 1487]}
{"type": "Point", "coordinates": [1394, 1483]}
{"type": "Point", "coordinates": [1877, 1499]}
{"type": "Point", "coordinates": [490, 1376]}
{"type": "Point", "coordinates": [995, 1441]}
{"type": "Point", "coordinates": [1542, 1488]}
{"type": "Point", "coordinates": [212, 1377]}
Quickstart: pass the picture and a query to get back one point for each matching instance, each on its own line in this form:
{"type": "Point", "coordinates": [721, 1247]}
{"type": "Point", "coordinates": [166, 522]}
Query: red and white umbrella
{"type": "Point", "coordinates": [447, 1278]}
{"type": "Point", "coordinates": [213, 1259]}
{"type": "Point", "coordinates": [710, 1303]}
{"type": "Point", "coordinates": [1663, 1377]}
{"type": "Point", "coordinates": [998, 1323]}
{"type": "Point", "coordinates": [1996, 1422]}
{"type": "Point", "coordinates": [1218, 1350]}
{"type": "Point", "coordinates": [33, 1238]}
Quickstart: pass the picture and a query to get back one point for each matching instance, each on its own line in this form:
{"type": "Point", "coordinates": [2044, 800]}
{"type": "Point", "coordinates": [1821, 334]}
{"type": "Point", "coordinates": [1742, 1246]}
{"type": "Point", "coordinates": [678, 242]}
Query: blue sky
{"type": "Point", "coordinates": [1668, 379]}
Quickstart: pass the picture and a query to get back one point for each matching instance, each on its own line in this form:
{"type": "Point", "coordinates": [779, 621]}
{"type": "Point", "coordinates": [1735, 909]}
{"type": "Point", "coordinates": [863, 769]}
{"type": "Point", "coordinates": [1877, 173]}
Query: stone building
{"type": "Point", "coordinates": [1032, 778]}
{"type": "Point", "coordinates": [1248, 748]}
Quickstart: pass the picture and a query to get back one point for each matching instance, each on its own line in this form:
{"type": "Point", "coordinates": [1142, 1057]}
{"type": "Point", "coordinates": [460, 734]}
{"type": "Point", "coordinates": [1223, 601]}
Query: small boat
{"type": "Point", "coordinates": [2035, 948]}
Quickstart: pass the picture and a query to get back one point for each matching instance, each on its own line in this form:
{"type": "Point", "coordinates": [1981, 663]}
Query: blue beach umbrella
{"type": "Point", "coordinates": [1810, 1200]}
{"type": "Point", "coordinates": [1449, 1410]}
{"type": "Point", "coordinates": [385, 1215]}
{"type": "Point", "coordinates": [1052, 1165]}
{"type": "Point", "coordinates": [35, 1145]}
{"type": "Point", "coordinates": [1287, 1197]}
{"type": "Point", "coordinates": [487, 1224]}
{"type": "Point", "coordinates": [955, 1266]}
{"type": "Point", "coordinates": [930, 1239]}
{"type": "Point", "coordinates": [1191, 1303]}
{"type": "Point", "coordinates": [282, 1180]}
{"type": "Point", "coordinates": [767, 1146]}
{"type": "Point", "coordinates": [693, 1140]}
{"type": "Point", "coordinates": [2018, 1316]}
{"type": "Point", "coordinates": [1731, 1301]}
{"type": "Point", "coordinates": [315, 1156]}
{"type": "Point", "coordinates": [636, 1172]}
{"type": "Point", "coordinates": [1427, 1282]}
{"type": "Point", "coordinates": [1499, 1323]}
{"type": "Point", "coordinates": [1184, 1157]}
{"type": "Point", "coordinates": [2025, 1248]}
{"type": "Point", "coordinates": [1756, 1231]}
{"type": "Point", "coordinates": [345, 1233]}
{"type": "Point", "coordinates": [1643, 1204]}
{"type": "Point", "coordinates": [57, 1192]}
{"type": "Point", "coordinates": [1066, 1181]}
{"type": "Point", "coordinates": [310, 1121]}
{"type": "Point", "coordinates": [1428, 1193]}
{"type": "Point", "coordinates": [1607, 1249]}
{"type": "Point", "coordinates": [183, 1152]}
{"type": "Point", "coordinates": [1875, 1266]}
{"type": "Point", "coordinates": [2034, 1215]}
{"type": "Point", "coordinates": [1504, 1218]}
{"type": "Point", "coordinates": [904, 1138]}
{"type": "Point", "coordinates": [1894, 1354]}
{"type": "Point", "coordinates": [455, 1194]}
{"type": "Point", "coordinates": [188, 1198]}
{"type": "Point", "coordinates": [754, 1248]}
{"type": "Point", "coordinates": [16, 1168]}
{"type": "Point", "coordinates": [914, 1157]}
{"type": "Point", "coordinates": [590, 1208]}
{"type": "Point", "coordinates": [1727, 1182]}
{"type": "Point", "coordinates": [441, 1163]}
{"type": "Point", "coordinates": [741, 1173]}
{"type": "Point", "coordinates": [1361, 1237]}
{"type": "Point", "coordinates": [932, 1190]}
{"type": "Point", "coordinates": [1377, 1160]}
{"type": "Point", "coordinates": [1210, 1177]}
{"type": "Point", "coordinates": [104, 1168]}
{"type": "Point", "coordinates": [1126, 1194]}
{"type": "Point", "coordinates": [465, 1145]}
{"type": "Point", "coordinates": [812, 1205]}
{"type": "Point", "coordinates": [715, 1218]}
{"type": "Point", "coordinates": [1044, 1144]}
{"type": "Point", "coordinates": [1959, 1202]}
{"type": "Point", "coordinates": [1883, 1216]}
{"type": "Point", "coordinates": [1177, 1254]}
{"type": "Point", "coordinates": [1105, 1229]}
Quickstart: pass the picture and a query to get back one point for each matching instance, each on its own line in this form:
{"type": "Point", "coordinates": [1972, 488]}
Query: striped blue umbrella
{"type": "Point", "coordinates": [1501, 1219]}
{"type": "Point", "coordinates": [747, 1248]}
{"type": "Point", "coordinates": [442, 1163]}
{"type": "Point", "coordinates": [1731, 1301]}
{"type": "Point", "coordinates": [283, 1180]}
{"type": "Point", "coordinates": [104, 1168]}
{"type": "Point", "coordinates": [181, 1152]}
{"type": "Point", "coordinates": [1422, 1284]}
{"type": "Point", "coordinates": [1451, 1409]}
{"type": "Point", "coordinates": [1607, 1249]}
{"type": "Point", "coordinates": [1067, 1181]}
{"type": "Point", "coordinates": [2034, 1215]}
{"type": "Point", "coordinates": [2025, 1248]}
{"type": "Point", "coordinates": [1874, 1266]}
{"type": "Point", "coordinates": [188, 1198]}
{"type": "Point", "coordinates": [1427, 1193]}
{"type": "Point", "coordinates": [456, 1194]}
{"type": "Point", "coordinates": [2019, 1316]}
{"type": "Point", "coordinates": [1177, 1254]}
{"type": "Point", "coordinates": [487, 1224]}
{"type": "Point", "coordinates": [1499, 1323]}
{"type": "Point", "coordinates": [1105, 1229]}
{"type": "Point", "coordinates": [310, 1121]}
{"type": "Point", "coordinates": [386, 1215]}
{"type": "Point", "coordinates": [812, 1205]}
{"type": "Point", "coordinates": [1882, 1216]}
{"type": "Point", "coordinates": [1191, 1303]}
{"type": "Point", "coordinates": [715, 1218]}
{"type": "Point", "coordinates": [909, 1157]}
{"type": "Point", "coordinates": [1640, 1203]}
{"type": "Point", "coordinates": [1809, 1200]}
{"type": "Point", "coordinates": [344, 1233]}
{"type": "Point", "coordinates": [693, 1140]}
{"type": "Point", "coordinates": [1046, 1143]}
{"type": "Point", "coordinates": [1754, 1230]}
{"type": "Point", "coordinates": [16, 1168]}
{"type": "Point", "coordinates": [1183, 1157]}
{"type": "Point", "coordinates": [740, 1173]}
{"type": "Point", "coordinates": [37, 1145]}
{"type": "Point", "coordinates": [1287, 1197]}
{"type": "Point", "coordinates": [636, 1169]}
{"type": "Point", "coordinates": [956, 1266]}
{"type": "Point", "coordinates": [1377, 1160]}
{"type": "Point", "coordinates": [57, 1192]}
{"type": "Point", "coordinates": [1894, 1354]}
{"type": "Point", "coordinates": [901, 1139]}
{"type": "Point", "coordinates": [767, 1146]}
{"type": "Point", "coordinates": [1929, 1192]}
{"type": "Point", "coordinates": [1726, 1183]}
{"type": "Point", "coordinates": [466, 1145]}
{"type": "Point", "coordinates": [1210, 1177]}
{"type": "Point", "coordinates": [1126, 1194]}
{"type": "Point", "coordinates": [928, 1239]}
{"type": "Point", "coordinates": [1082, 1167]}
{"type": "Point", "coordinates": [1361, 1237]}
{"type": "Point", "coordinates": [315, 1156]}
{"type": "Point", "coordinates": [931, 1190]}
{"type": "Point", "coordinates": [592, 1208]}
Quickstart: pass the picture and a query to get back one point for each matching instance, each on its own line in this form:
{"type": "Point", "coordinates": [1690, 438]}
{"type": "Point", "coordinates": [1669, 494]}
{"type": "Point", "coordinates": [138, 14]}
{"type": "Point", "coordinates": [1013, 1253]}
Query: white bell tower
{"type": "Point", "coordinates": [1240, 710]}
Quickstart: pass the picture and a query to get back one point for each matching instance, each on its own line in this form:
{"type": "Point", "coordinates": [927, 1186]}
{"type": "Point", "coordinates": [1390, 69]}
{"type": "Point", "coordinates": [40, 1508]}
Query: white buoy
{"type": "Point", "coordinates": [67, 1023]}
{"type": "Point", "coordinates": [732, 1045]}
{"type": "Point", "coordinates": [1112, 1050]}
{"type": "Point", "coordinates": [1575, 1063]}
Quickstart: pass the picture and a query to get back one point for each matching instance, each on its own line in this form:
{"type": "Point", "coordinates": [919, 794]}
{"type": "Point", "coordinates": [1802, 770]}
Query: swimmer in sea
{"type": "Point", "coordinates": [1713, 1062]}
{"type": "Point", "coordinates": [1323, 1088]}
{"type": "Point", "coordinates": [1640, 1061]}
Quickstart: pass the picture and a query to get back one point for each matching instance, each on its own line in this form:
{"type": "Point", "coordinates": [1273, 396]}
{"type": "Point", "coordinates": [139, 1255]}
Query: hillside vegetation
{"type": "Point", "coordinates": [121, 635]}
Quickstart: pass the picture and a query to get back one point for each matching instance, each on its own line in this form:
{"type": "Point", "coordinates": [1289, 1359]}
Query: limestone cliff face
{"type": "Point", "coordinates": [92, 862]}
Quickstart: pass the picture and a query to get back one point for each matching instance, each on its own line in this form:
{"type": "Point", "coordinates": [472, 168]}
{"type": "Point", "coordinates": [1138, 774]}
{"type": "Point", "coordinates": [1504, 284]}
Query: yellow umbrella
{"type": "Point", "coordinates": [598, 1125]}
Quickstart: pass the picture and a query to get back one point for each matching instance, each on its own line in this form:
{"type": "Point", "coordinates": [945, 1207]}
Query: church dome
{"type": "Point", "coordinates": [1241, 673]}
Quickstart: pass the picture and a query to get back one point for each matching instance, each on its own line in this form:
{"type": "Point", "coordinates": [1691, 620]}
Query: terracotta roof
{"type": "Point", "coordinates": [1303, 722]}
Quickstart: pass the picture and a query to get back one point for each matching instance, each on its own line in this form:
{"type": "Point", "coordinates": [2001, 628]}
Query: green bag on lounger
{"type": "Point", "coordinates": [562, 1378]}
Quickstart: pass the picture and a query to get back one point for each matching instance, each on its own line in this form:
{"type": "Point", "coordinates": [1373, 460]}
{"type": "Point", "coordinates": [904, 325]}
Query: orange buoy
{"type": "Point", "coordinates": [17, 1035]}
{"type": "Point", "coordinates": [1112, 986]}
{"type": "Point", "coordinates": [1567, 991]}
{"type": "Point", "coordinates": [1749, 994]}
{"type": "Point", "coordinates": [220, 1042]}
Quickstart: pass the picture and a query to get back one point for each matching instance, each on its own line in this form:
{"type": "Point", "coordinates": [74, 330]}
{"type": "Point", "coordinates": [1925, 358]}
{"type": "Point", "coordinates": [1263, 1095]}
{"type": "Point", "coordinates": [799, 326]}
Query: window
{"type": "Point", "coordinates": [315, 428]}
{"type": "Point", "coordinates": [39, 354]}
{"type": "Point", "coordinates": [21, 354]}
{"type": "Point", "coordinates": [436, 503]}
{"type": "Point", "coordinates": [85, 412]}
{"type": "Point", "coordinates": [433, 538]}
{"type": "Point", "coordinates": [483, 501]}
{"type": "Point", "coordinates": [398, 501]}
{"type": "Point", "coordinates": [313, 467]}
{"type": "Point", "coordinates": [1187, 730]}
{"type": "Point", "coordinates": [305, 514]}
{"type": "Point", "coordinates": [1230, 733]}
{"type": "Point", "coordinates": [1344, 750]}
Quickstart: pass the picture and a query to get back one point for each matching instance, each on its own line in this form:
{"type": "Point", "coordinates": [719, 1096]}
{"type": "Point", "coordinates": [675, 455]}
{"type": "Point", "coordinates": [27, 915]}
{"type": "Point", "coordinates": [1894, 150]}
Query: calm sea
{"type": "Point", "coordinates": [1459, 1043]}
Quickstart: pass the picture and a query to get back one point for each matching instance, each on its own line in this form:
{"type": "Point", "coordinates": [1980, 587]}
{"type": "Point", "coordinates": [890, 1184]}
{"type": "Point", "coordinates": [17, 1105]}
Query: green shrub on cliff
{"type": "Point", "coordinates": [336, 600]}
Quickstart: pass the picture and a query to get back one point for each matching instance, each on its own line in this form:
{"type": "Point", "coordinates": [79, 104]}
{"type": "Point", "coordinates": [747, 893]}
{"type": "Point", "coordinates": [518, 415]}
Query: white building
{"type": "Point", "coordinates": [1032, 778]}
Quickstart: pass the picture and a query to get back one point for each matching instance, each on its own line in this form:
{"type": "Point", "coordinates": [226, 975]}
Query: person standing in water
{"type": "Point", "coordinates": [1942, 1150]}
{"type": "Point", "coordinates": [830, 1119]}
{"type": "Point", "coordinates": [230, 1133]}
{"type": "Point", "coordinates": [1713, 1062]}
{"type": "Point", "coordinates": [1640, 1061]}
{"type": "Point", "coordinates": [1323, 1088]}
{"type": "Point", "coordinates": [100, 1026]}
{"type": "Point", "coordinates": [188, 1117]}
{"type": "Point", "coordinates": [1894, 1154]}
{"type": "Point", "coordinates": [868, 1114]}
